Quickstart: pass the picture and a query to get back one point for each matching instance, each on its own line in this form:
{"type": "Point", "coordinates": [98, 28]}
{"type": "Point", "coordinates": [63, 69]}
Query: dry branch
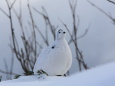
{"type": "Point", "coordinates": [47, 22]}
{"type": "Point", "coordinates": [113, 2]}
{"type": "Point", "coordinates": [10, 73]}
{"type": "Point", "coordinates": [101, 10]}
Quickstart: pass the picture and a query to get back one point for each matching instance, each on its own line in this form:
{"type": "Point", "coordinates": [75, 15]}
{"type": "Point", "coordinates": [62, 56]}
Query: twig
{"type": "Point", "coordinates": [4, 12]}
{"type": "Point", "coordinates": [33, 26]}
{"type": "Point", "coordinates": [0, 78]}
{"type": "Point", "coordinates": [12, 4]}
{"type": "Point", "coordinates": [8, 72]}
{"type": "Point", "coordinates": [12, 64]}
{"type": "Point", "coordinates": [6, 66]}
{"type": "Point", "coordinates": [110, 17]}
{"type": "Point", "coordinates": [45, 40]}
{"type": "Point", "coordinates": [111, 1]}
{"type": "Point", "coordinates": [46, 18]}
{"type": "Point", "coordinates": [74, 36]}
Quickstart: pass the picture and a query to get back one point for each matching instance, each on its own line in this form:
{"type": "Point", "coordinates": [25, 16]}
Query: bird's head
{"type": "Point", "coordinates": [60, 34]}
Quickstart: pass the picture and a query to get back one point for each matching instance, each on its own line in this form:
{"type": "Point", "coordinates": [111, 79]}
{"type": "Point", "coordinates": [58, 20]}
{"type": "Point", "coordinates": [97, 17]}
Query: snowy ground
{"type": "Point", "coordinates": [100, 76]}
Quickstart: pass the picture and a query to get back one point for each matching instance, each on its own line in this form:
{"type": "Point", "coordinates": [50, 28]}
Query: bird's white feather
{"type": "Point", "coordinates": [56, 59]}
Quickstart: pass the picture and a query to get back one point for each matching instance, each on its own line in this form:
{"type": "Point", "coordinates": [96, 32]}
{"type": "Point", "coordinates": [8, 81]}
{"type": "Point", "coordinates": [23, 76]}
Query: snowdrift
{"type": "Point", "coordinates": [99, 76]}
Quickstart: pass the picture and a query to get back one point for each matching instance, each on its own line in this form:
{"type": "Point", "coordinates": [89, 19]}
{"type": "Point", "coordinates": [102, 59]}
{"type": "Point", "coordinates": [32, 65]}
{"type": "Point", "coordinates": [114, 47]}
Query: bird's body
{"type": "Point", "coordinates": [56, 59]}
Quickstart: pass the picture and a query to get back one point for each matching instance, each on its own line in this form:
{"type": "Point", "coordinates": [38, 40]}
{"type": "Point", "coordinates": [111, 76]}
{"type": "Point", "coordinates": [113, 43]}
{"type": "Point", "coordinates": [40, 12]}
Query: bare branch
{"type": "Point", "coordinates": [0, 78]}
{"type": "Point", "coordinates": [111, 1]}
{"type": "Point", "coordinates": [33, 26]}
{"type": "Point", "coordinates": [8, 4]}
{"type": "Point", "coordinates": [46, 18]}
{"type": "Point", "coordinates": [12, 4]}
{"type": "Point", "coordinates": [12, 64]}
{"type": "Point", "coordinates": [109, 16]}
{"type": "Point", "coordinates": [4, 12]}
{"type": "Point", "coordinates": [74, 36]}
{"type": "Point", "coordinates": [84, 34]}
{"type": "Point", "coordinates": [6, 67]}
{"type": "Point", "coordinates": [38, 11]}
{"type": "Point", "coordinates": [52, 29]}
{"type": "Point", "coordinates": [45, 40]}
{"type": "Point", "coordinates": [4, 72]}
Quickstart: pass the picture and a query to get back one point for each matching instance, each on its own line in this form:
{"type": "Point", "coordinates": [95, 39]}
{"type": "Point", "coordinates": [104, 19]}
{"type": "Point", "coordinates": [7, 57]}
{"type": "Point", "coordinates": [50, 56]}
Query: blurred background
{"type": "Point", "coordinates": [94, 30]}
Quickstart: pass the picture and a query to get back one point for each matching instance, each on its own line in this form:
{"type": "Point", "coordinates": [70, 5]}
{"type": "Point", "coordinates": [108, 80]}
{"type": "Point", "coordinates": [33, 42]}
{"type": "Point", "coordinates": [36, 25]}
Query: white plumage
{"type": "Point", "coordinates": [56, 59]}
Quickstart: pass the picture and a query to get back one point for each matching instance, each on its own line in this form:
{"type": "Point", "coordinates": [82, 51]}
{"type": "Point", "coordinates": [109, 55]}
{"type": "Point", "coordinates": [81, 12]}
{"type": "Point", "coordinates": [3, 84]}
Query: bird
{"type": "Point", "coordinates": [56, 59]}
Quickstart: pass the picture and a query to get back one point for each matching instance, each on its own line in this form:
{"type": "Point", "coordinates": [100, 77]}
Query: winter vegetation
{"type": "Point", "coordinates": [28, 54]}
{"type": "Point", "coordinates": [27, 45]}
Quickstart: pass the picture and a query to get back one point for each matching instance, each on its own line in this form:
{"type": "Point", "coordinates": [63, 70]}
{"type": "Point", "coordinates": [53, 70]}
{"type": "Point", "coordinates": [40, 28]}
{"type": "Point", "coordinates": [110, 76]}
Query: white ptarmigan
{"type": "Point", "coordinates": [56, 59]}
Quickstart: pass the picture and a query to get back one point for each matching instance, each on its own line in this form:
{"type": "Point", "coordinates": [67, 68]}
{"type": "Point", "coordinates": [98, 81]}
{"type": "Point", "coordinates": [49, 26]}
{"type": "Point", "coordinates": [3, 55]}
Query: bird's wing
{"type": "Point", "coordinates": [40, 62]}
{"type": "Point", "coordinates": [42, 59]}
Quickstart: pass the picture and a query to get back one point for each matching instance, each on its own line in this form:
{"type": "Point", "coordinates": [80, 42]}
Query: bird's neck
{"type": "Point", "coordinates": [61, 41]}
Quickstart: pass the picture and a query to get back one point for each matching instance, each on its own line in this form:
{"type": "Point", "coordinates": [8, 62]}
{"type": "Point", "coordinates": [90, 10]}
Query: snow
{"type": "Point", "coordinates": [99, 76]}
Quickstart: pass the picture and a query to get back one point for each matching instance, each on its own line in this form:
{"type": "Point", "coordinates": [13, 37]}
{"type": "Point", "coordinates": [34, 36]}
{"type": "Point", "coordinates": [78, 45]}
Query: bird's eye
{"type": "Point", "coordinates": [59, 32]}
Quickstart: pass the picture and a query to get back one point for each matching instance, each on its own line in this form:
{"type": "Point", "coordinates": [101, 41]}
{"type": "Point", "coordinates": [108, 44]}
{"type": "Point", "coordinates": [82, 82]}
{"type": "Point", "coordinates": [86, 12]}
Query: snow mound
{"type": "Point", "coordinates": [100, 76]}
